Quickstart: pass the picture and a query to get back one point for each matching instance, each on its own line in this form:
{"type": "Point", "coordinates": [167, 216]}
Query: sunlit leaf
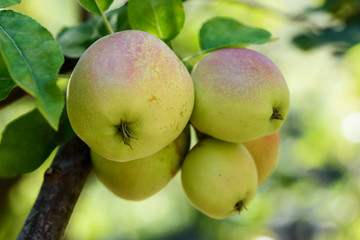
{"type": "Point", "coordinates": [75, 40]}
{"type": "Point", "coordinates": [33, 59]}
{"type": "Point", "coordinates": [8, 3]}
{"type": "Point", "coordinates": [222, 32]}
{"type": "Point", "coordinates": [352, 63]}
{"type": "Point", "coordinates": [93, 5]}
{"type": "Point", "coordinates": [162, 18]}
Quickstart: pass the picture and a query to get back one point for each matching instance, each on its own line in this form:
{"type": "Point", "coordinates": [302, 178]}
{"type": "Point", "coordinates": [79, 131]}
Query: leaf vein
{"type": "Point", "coordinates": [157, 21]}
{"type": "Point", "coordinates": [21, 54]}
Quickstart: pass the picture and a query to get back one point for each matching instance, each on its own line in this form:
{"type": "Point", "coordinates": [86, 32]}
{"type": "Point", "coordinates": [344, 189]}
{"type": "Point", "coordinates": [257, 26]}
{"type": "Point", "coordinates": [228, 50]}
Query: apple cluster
{"type": "Point", "coordinates": [133, 102]}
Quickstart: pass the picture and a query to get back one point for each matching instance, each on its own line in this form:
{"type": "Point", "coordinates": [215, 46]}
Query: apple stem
{"type": "Point", "coordinates": [125, 132]}
{"type": "Point", "coordinates": [276, 115]}
{"type": "Point", "coordinates": [106, 22]}
{"type": "Point", "coordinates": [239, 206]}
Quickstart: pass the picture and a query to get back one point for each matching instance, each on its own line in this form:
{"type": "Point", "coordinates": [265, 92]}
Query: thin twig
{"type": "Point", "coordinates": [107, 24]}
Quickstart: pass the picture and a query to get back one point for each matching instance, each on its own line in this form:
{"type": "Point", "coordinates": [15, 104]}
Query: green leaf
{"type": "Point", "coordinates": [28, 141]}
{"type": "Point", "coordinates": [220, 32]}
{"type": "Point", "coordinates": [6, 83]}
{"type": "Point", "coordinates": [33, 59]}
{"type": "Point", "coordinates": [162, 18]}
{"type": "Point", "coordinates": [92, 6]}
{"type": "Point", "coordinates": [75, 40]}
{"type": "Point", "coordinates": [8, 3]}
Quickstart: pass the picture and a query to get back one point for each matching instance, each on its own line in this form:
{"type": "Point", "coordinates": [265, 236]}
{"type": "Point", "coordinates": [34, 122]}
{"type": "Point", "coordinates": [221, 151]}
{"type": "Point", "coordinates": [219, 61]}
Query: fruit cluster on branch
{"type": "Point", "coordinates": [132, 101]}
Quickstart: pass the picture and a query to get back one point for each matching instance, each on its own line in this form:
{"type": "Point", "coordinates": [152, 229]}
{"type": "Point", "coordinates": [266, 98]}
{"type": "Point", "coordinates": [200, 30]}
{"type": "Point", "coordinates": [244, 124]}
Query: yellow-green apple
{"type": "Point", "coordinates": [240, 95]}
{"type": "Point", "coordinates": [265, 152]}
{"type": "Point", "coordinates": [219, 178]}
{"type": "Point", "coordinates": [141, 178]}
{"type": "Point", "coordinates": [129, 96]}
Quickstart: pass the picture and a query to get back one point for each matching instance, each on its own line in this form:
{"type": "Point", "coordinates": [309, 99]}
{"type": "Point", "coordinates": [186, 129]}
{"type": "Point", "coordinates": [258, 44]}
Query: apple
{"type": "Point", "coordinates": [129, 96]}
{"type": "Point", "coordinates": [265, 152]}
{"type": "Point", "coordinates": [240, 95]}
{"type": "Point", "coordinates": [141, 178]}
{"type": "Point", "coordinates": [219, 178]}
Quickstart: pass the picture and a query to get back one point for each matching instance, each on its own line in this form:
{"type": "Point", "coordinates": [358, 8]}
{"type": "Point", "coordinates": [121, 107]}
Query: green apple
{"type": "Point", "coordinates": [219, 178]}
{"type": "Point", "coordinates": [240, 95]}
{"type": "Point", "coordinates": [265, 152]}
{"type": "Point", "coordinates": [141, 178]}
{"type": "Point", "coordinates": [129, 96]}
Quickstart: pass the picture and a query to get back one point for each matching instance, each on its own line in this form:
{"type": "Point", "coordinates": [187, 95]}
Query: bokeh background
{"type": "Point", "coordinates": [314, 192]}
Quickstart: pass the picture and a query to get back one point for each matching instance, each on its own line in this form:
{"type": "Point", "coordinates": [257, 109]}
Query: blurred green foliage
{"type": "Point", "coordinates": [75, 40]}
{"type": "Point", "coordinates": [314, 192]}
{"type": "Point", "coordinates": [342, 32]}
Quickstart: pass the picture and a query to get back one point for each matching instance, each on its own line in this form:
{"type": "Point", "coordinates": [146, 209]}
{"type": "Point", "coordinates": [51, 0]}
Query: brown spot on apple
{"type": "Point", "coordinates": [178, 147]}
{"type": "Point", "coordinates": [153, 98]}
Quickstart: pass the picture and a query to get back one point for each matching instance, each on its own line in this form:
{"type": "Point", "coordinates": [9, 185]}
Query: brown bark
{"type": "Point", "coordinates": [63, 182]}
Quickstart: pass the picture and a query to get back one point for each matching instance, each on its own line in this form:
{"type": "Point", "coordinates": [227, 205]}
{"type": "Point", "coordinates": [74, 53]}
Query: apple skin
{"type": "Point", "coordinates": [240, 95]}
{"type": "Point", "coordinates": [265, 152]}
{"type": "Point", "coordinates": [219, 178]}
{"type": "Point", "coordinates": [141, 178]}
{"type": "Point", "coordinates": [129, 96]}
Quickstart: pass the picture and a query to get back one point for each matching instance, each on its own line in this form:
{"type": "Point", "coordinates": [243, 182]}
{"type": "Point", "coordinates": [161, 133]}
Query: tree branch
{"type": "Point", "coordinates": [63, 182]}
